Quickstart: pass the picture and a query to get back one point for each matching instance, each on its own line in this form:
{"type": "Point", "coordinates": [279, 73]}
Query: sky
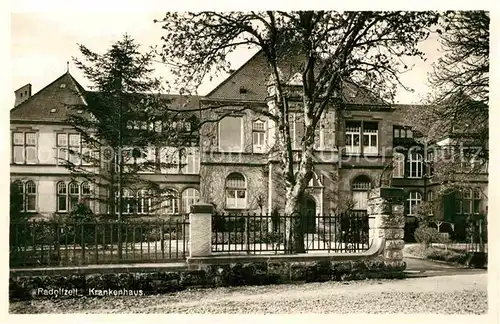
{"type": "Point", "coordinates": [42, 43]}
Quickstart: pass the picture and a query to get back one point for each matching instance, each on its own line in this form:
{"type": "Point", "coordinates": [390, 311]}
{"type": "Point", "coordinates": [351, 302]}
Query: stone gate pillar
{"type": "Point", "coordinates": [386, 205]}
{"type": "Point", "coordinates": [200, 230]}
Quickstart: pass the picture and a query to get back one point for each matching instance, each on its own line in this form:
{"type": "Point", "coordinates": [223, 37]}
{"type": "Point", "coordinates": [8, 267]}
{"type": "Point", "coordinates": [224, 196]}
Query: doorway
{"type": "Point", "coordinates": [309, 215]}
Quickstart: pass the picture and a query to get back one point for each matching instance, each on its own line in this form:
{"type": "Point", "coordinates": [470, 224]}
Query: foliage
{"type": "Point", "coordinates": [334, 53]}
{"type": "Point", "coordinates": [125, 118]}
{"type": "Point", "coordinates": [458, 106]}
{"type": "Point", "coordinates": [16, 201]}
{"type": "Point", "coordinates": [427, 235]}
{"type": "Point", "coordinates": [423, 211]}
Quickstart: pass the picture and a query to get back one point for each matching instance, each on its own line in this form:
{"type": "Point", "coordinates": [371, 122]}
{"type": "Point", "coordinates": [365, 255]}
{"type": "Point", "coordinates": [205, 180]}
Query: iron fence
{"type": "Point", "coordinates": [46, 243]}
{"type": "Point", "coordinates": [264, 233]}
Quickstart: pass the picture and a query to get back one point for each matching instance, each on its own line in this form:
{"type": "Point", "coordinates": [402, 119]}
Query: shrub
{"type": "Point", "coordinates": [427, 235]}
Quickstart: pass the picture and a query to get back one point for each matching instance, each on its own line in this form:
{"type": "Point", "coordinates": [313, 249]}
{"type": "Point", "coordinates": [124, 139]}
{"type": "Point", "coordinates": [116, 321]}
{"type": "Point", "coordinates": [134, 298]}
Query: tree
{"type": "Point", "coordinates": [123, 126]}
{"type": "Point", "coordinates": [329, 50]}
{"type": "Point", "coordinates": [458, 105]}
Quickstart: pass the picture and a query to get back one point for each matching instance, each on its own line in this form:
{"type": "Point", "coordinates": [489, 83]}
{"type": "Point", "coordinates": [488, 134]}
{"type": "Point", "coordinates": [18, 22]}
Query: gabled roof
{"type": "Point", "coordinates": [56, 97]}
{"type": "Point", "coordinates": [53, 103]}
{"type": "Point", "coordinates": [253, 76]}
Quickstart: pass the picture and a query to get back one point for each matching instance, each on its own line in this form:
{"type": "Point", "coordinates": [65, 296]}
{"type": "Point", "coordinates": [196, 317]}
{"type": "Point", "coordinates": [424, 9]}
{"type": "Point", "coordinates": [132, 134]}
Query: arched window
{"type": "Point", "coordinates": [62, 197]}
{"type": "Point", "coordinates": [189, 196]}
{"type": "Point", "coordinates": [170, 203]}
{"type": "Point", "coordinates": [74, 195]}
{"type": "Point", "coordinates": [30, 196]}
{"type": "Point", "coordinates": [236, 192]}
{"type": "Point", "coordinates": [414, 198]}
{"type": "Point", "coordinates": [398, 162]}
{"type": "Point", "coordinates": [430, 200]}
{"type": "Point", "coordinates": [416, 165]}
{"type": "Point", "coordinates": [85, 193]}
{"type": "Point", "coordinates": [143, 202]}
{"type": "Point", "coordinates": [360, 187]}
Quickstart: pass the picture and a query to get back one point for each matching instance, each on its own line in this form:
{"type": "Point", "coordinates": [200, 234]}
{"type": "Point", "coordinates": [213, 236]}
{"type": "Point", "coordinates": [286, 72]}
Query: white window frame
{"type": "Point", "coordinates": [370, 149]}
{"type": "Point", "coordinates": [81, 195]}
{"type": "Point", "coordinates": [360, 194]}
{"type": "Point", "coordinates": [242, 135]}
{"type": "Point", "coordinates": [239, 203]}
{"type": "Point", "coordinates": [398, 162]}
{"type": "Point", "coordinates": [416, 164]}
{"type": "Point", "coordinates": [127, 200]}
{"type": "Point", "coordinates": [63, 149]}
{"type": "Point", "coordinates": [27, 195]}
{"type": "Point", "coordinates": [170, 155]}
{"type": "Point", "coordinates": [143, 202]}
{"type": "Point", "coordinates": [261, 136]}
{"type": "Point", "coordinates": [190, 161]}
{"type": "Point", "coordinates": [414, 198]}
{"type": "Point", "coordinates": [353, 149]}
{"type": "Point", "coordinates": [189, 197]}
{"type": "Point", "coordinates": [73, 194]}
{"type": "Point", "coordinates": [60, 185]}
{"type": "Point", "coordinates": [25, 147]}
{"type": "Point", "coordinates": [170, 205]}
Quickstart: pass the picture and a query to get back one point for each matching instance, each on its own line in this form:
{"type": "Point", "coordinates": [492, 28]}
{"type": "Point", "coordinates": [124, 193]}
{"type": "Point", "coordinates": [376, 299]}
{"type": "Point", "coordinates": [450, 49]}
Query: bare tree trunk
{"type": "Point", "coordinates": [294, 233]}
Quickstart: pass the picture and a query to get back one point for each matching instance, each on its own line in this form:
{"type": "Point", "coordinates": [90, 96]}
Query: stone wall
{"type": "Point", "coordinates": [214, 275]}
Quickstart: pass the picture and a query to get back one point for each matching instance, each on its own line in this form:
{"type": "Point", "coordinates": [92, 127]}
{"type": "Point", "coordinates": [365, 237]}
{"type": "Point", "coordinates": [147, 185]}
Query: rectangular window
{"type": "Point", "coordinates": [398, 162]}
{"type": "Point", "coordinates": [235, 198]}
{"type": "Point", "coordinates": [61, 203]}
{"type": "Point", "coordinates": [74, 147]}
{"type": "Point", "coordinates": [370, 138]}
{"type": "Point", "coordinates": [24, 148]}
{"type": "Point", "coordinates": [231, 134]}
{"type": "Point", "coordinates": [259, 136]}
{"type": "Point", "coordinates": [68, 148]}
{"type": "Point", "coordinates": [62, 145]}
{"type": "Point", "coordinates": [169, 158]}
{"type": "Point", "coordinates": [360, 199]}
{"type": "Point", "coordinates": [191, 161]}
{"type": "Point", "coordinates": [352, 137]}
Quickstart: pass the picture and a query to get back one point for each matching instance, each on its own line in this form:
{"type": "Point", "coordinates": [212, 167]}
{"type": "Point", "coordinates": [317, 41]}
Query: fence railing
{"type": "Point", "coordinates": [45, 243]}
{"type": "Point", "coordinates": [264, 233]}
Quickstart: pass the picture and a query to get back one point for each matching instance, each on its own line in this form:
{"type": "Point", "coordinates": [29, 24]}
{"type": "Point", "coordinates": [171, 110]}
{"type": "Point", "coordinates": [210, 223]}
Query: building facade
{"type": "Point", "coordinates": [360, 144]}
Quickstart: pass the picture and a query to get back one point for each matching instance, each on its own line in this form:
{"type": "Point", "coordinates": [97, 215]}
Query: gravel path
{"type": "Point", "coordinates": [459, 294]}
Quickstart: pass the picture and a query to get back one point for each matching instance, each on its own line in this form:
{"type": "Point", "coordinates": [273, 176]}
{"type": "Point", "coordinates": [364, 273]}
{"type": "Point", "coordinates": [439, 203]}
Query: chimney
{"type": "Point", "coordinates": [22, 94]}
